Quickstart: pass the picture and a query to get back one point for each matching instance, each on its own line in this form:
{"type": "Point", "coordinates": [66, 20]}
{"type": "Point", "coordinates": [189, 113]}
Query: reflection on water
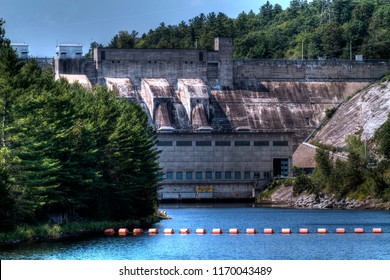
{"type": "Point", "coordinates": [225, 246]}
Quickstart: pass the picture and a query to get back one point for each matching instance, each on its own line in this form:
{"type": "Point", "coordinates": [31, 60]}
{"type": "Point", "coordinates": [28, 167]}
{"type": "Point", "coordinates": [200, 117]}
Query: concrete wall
{"type": "Point", "coordinates": [224, 46]}
{"type": "Point", "coordinates": [150, 63]}
{"type": "Point", "coordinates": [248, 73]}
{"type": "Point", "coordinates": [249, 154]}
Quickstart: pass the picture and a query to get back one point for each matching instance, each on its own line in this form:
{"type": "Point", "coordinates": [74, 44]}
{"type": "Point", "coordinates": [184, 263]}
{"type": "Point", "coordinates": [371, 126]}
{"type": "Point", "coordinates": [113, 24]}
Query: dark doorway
{"type": "Point", "coordinates": [280, 167]}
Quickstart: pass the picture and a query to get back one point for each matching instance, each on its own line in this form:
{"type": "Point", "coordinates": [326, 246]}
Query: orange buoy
{"type": "Point", "coordinates": [152, 231]}
{"type": "Point", "coordinates": [376, 230]}
{"type": "Point", "coordinates": [340, 230]}
{"type": "Point", "coordinates": [109, 231]}
{"type": "Point", "coordinates": [123, 232]}
{"type": "Point", "coordinates": [184, 231]}
{"type": "Point", "coordinates": [200, 231]}
{"type": "Point", "coordinates": [358, 230]}
{"type": "Point", "coordinates": [286, 230]}
{"type": "Point", "coordinates": [250, 231]}
{"type": "Point", "coordinates": [169, 231]}
{"type": "Point", "coordinates": [138, 231]}
{"type": "Point", "coordinates": [268, 231]}
{"type": "Point", "coordinates": [216, 231]}
{"type": "Point", "coordinates": [321, 231]}
{"type": "Point", "coordinates": [303, 231]}
{"type": "Point", "coordinates": [233, 231]}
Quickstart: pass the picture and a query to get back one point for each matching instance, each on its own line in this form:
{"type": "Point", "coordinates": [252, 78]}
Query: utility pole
{"type": "Point", "coordinates": [350, 50]}
{"type": "Point", "coordinates": [302, 48]}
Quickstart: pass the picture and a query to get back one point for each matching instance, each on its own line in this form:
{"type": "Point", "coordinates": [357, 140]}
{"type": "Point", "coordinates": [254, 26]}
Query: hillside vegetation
{"type": "Point", "coordinates": [308, 30]}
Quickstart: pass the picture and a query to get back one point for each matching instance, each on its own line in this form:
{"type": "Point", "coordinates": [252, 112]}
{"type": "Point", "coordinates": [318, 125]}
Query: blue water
{"type": "Point", "coordinates": [313, 246]}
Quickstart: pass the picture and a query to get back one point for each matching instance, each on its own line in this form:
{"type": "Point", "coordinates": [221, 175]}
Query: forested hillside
{"type": "Point", "coordinates": [84, 154]}
{"type": "Point", "coordinates": [309, 30]}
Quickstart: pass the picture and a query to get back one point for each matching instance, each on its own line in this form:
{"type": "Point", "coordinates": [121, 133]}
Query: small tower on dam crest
{"type": "Point", "coordinates": [224, 46]}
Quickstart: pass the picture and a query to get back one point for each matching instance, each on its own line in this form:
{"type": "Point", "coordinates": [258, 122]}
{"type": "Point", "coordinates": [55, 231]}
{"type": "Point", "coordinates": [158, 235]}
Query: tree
{"type": "Point", "coordinates": [8, 67]}
{"type": "Point", "coordinates": [342, 10]}
{"type": "Point", "coordinates": [376, 45]}
{"type": "Point", "coordinates": [382, 138]}
{"type": "Point", "coordinates": [93, 46]}
{"type": "Point", "coordinates": [323, 170]}
{"type": "Point", "coordinates": [332, 41]}
{"type": "Point", "coordinates": [123, 40]}
{"type": "Point", "coordinates": [66, 149]}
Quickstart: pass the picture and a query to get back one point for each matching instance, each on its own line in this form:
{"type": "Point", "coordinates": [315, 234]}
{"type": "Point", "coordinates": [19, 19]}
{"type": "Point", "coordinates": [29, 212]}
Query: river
{"type": "Point", "coordinates": [277, 246]}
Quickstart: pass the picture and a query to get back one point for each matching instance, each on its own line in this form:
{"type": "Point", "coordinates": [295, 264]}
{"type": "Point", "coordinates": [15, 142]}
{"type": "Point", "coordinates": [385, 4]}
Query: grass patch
{"type": "Point", "coordinates": [270, 188]}
{"type": "Point", "coordinates": [56, 231]}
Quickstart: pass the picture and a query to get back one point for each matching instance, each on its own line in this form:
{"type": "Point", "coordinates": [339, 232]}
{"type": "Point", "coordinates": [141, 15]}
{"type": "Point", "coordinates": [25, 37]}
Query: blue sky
{"type": "Point", "coordinates": [42, 23]}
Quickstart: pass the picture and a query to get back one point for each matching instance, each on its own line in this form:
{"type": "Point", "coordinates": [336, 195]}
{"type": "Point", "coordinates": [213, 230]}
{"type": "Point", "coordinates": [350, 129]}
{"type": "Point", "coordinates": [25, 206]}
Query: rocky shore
{"type": "Point", "coordinates": [283, 197]}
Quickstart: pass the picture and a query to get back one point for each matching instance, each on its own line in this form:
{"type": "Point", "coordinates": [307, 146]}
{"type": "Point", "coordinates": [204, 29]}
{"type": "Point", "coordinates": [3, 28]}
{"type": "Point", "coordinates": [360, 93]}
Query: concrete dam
{"type": "Point", "coordinates": [225, 127]}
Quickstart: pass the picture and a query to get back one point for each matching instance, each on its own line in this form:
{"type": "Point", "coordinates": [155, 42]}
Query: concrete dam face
{"type": "Point", "coordinates": [225, 127]}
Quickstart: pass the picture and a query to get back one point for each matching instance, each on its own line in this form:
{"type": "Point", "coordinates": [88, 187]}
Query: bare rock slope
{"type": "Point", "coordinates": [365, 113]}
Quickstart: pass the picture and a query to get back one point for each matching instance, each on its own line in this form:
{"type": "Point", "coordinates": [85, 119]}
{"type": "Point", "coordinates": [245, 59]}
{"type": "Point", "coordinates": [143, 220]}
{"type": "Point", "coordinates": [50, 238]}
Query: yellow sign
{"type": "Point", "coordinates": [204, 189]}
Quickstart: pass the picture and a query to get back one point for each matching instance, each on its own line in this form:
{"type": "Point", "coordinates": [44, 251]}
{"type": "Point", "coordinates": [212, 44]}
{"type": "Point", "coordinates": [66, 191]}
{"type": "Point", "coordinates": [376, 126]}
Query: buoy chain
{"type": "Point", "coordinates": [235, 231]}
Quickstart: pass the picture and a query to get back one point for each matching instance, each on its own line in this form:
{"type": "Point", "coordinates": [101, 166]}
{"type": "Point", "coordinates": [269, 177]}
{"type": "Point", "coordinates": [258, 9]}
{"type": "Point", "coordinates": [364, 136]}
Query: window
{"type": "Point", "coordinates": [261, 143]}
{"type": "Point", "coordinates": [183, 143]}
{"type": "Point", "coordinates": [203, 143]}
{"type": "Point", "coordinates": [237, 175]}
{"type": "Point", "coordinates": [267, 175]}
{"type": "Point", "coordinates": [280, 143]}
{"type": "Point", "coordinates": [242, 143]}
{"type": "Point", "coordinates": [247, 175]}
{"type": "Point", "coordinates": [179, 175]}
{"type": "Point", "coordinates": [103, 55]}
{"type": "Point", "coordinates": [222, 143]}
{"type": "Point", "coordinates": [228, 175]}
{"type": "Point", "coordinates": [160, 176]}
{"type": "Point", "coordinates": [189, 175]}
{"type": "Point", "coordinates": [209, 175]}
{"type": "Point", "coordinates": [200, 56]}
{"type": "Point", "coordinates": [218, 175]}
{"type": "Point", "coordinates": [256, 175]}
{"type": "Point", "coordinates": [198, 175]}
{"type": "Point", "coordinates": [164, 143]}
{"type": "Point", "coordinates": [170, 175]}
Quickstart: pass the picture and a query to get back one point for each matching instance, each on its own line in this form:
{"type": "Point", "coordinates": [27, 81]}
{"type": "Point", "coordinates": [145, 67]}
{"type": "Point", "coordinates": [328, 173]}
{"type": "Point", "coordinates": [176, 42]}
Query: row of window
{"type": "Point", "coordinates": [222, 143]}
{"type": "Point", "coordinates": [218, 175]}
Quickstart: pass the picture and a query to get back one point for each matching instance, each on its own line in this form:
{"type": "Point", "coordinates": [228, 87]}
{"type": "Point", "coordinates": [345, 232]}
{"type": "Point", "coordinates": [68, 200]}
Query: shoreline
{"type": "Point", "coordinates": [73, 230]}
{"type": "Point", "coordinates": [283, 197]}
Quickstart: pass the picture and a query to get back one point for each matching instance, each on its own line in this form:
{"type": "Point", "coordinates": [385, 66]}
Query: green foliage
{"type": "Point", "coordinates": [358, 176]}
{"type": "Point", "coordinates": [92, 46]}
{"type": "Point", "coordinates": [329, 112]}
{"type": "Point", "coordinates": [302, 182]}
{"type": "Point", "coordinates": [324, 28]}
{"type": "Point", "coordinates": [64, 149]}
{"type": "Point", "coordinates": [382, 138]}
{"type": "Point", "coordinates": [123, 40]}
{"type": "Point", "coordinates": [270, 188]}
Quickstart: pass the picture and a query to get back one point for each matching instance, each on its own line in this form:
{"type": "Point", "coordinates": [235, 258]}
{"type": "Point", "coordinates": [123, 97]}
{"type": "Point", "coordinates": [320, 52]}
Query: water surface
{"type": "Point", "coordinates": [313, 246]}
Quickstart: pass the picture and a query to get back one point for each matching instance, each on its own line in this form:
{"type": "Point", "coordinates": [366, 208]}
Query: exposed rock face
{"type": "Point", "coordinates": [364, 113]}
{"type": "Point", "coordinates": [283, 196]}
